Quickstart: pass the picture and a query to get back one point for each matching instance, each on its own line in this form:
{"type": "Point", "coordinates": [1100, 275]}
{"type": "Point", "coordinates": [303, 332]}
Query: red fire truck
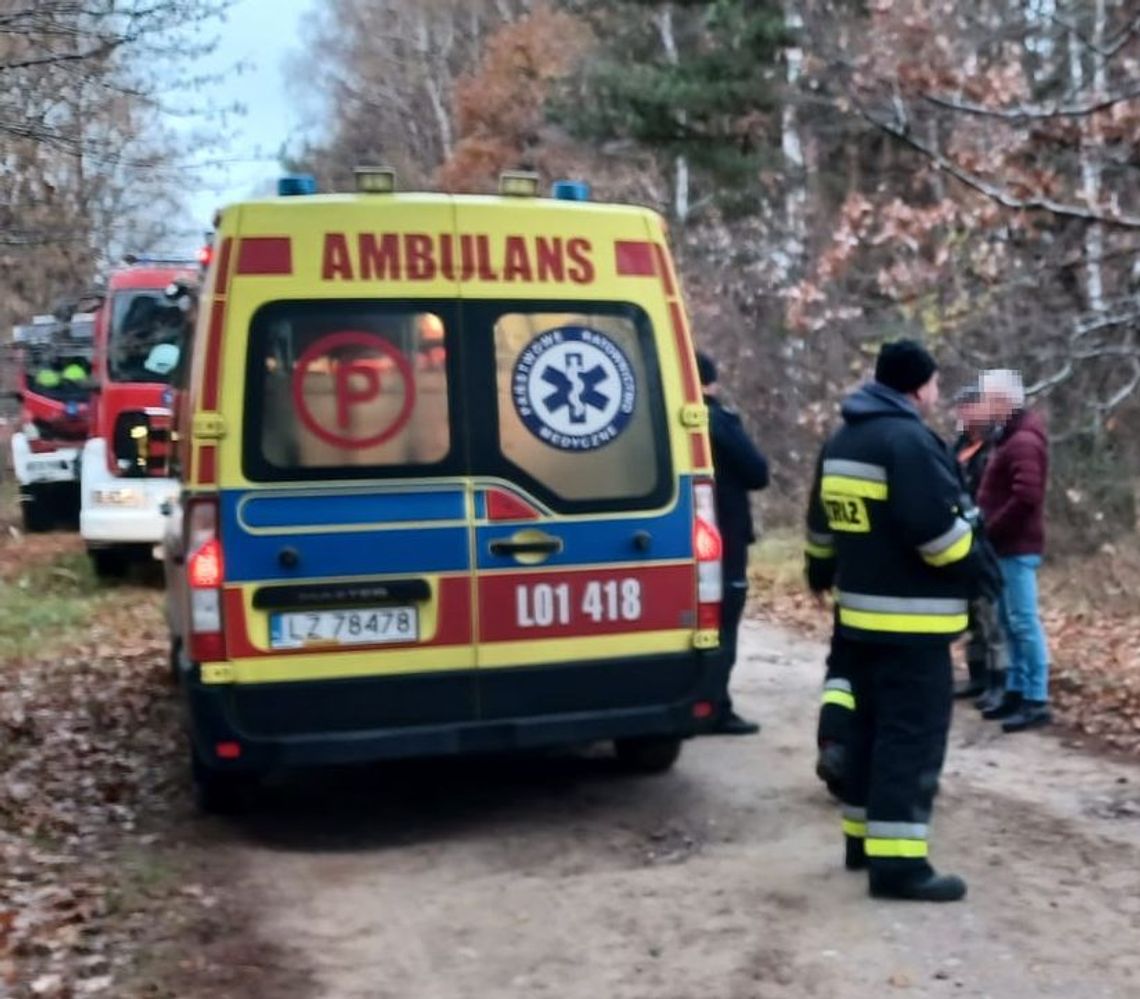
{"type": "Point", "coordinates": [49, 364]}
{"type": "Point", "coordinates": [141, 337]}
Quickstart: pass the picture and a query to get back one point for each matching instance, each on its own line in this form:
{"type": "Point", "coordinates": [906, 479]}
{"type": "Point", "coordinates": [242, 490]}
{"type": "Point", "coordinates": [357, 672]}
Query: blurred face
{"type": "Point", "coordinates": [999, 407]}
{"type": "Point", "coordinates": [974, 416]}
{"type": "Point", "coordinates": [927, 396]}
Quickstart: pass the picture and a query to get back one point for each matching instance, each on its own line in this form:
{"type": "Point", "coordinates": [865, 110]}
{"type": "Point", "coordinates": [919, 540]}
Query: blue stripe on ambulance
{"type": "Point", "coordinates": [604, 540]}
{"type": "Point", "coordinates": [332, 508]}
{"type": "Point", "coordinates": [418, 549]}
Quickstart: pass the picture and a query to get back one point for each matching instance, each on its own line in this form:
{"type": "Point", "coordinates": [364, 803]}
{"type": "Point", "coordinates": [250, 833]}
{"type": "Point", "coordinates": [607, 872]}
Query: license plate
{"type": "Point", "coordinates": [360, 626]}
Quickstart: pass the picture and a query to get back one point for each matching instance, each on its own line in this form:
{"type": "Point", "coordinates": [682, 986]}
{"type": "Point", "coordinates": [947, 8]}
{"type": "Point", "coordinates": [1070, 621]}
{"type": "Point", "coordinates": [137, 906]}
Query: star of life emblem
{"type": "Point", "coordinates": [574, 388]}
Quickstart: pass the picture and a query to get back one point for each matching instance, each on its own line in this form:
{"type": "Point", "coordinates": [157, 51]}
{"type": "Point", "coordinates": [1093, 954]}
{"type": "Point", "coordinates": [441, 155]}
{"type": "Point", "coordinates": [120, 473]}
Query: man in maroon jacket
{"type": "Point", "coordinates": [1012, 501]}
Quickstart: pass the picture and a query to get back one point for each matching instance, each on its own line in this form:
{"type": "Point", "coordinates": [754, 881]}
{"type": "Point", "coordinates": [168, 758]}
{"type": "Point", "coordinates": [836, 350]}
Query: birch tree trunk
{"type": "Point", "coordinates": [1091, 175]}
{"type": "Point", "coordinates": [681, 180]}
{"type": "Point", "coordinates": [792, 145]}
{"type": "Point", "coordinates": [429, 53]}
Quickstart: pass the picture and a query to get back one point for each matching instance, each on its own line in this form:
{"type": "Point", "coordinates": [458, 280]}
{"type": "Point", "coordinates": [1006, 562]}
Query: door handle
{"type": "Point", "coordinates": [527, 546]}
{"type": "Point", "coordinates": [549, 546]}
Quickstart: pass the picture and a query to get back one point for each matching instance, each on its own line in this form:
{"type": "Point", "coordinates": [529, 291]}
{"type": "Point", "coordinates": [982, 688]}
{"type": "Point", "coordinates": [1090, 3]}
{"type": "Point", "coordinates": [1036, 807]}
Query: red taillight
{"type": "Point", "coordinates": [706, 542]}
{"type": "Point", "coordinates": [206, 256]}
{"type": "Point", "coordinates": [227, 750]}
{"type": "Point", "coordinates": [205, 572]}
{"type": "Point", "coordinates": [708, 617]}
{"type": "Point", "coordinates": [703, 710]}
{"type": "Point", "coordinates": [205, 566]}
{"type": "Point", "coordinates": [708, 550]}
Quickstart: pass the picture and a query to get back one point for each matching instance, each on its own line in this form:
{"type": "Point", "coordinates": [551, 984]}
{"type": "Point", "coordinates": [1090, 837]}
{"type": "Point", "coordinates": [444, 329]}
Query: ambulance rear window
{"type": "Point", "coordinates": [347, 389]}
{"type": "Point", "coordinates": [581, 415]}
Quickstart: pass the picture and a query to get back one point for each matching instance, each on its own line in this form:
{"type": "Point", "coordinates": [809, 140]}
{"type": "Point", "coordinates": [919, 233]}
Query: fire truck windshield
{"type": "Point", "coordinates": [140, 322]}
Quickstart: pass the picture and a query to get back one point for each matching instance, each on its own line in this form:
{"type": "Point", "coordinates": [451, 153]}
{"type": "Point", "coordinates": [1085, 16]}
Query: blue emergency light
{"type": "Point", "coordinates": [296, 185]}
{"type": "Point", "coordinates": [71, 409]}
{"type": "Point", "coordinates": [570, 190]}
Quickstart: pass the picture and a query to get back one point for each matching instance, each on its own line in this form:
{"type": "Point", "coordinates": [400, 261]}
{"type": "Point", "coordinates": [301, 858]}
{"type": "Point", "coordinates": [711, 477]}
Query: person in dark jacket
{"type": "Point", "coordinates": [1012, 499]}
{"type": "Point", "coordinates": [740, 468]}
{"type": "Point", "coordinates": [885, 524]}
{"type": "Point", "coordinates": [985, 647]}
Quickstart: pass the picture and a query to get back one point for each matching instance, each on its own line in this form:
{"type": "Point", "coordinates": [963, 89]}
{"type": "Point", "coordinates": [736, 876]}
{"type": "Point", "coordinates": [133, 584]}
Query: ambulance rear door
{"type": "Point", "coordinates": [586, 596]}
{"type": "Point", "coordinates": [346, 516]}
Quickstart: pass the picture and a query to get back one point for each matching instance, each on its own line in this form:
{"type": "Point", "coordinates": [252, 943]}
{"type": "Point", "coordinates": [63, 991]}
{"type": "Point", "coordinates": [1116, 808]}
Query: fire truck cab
{"type": "Point", "coordinates": [141, 336]}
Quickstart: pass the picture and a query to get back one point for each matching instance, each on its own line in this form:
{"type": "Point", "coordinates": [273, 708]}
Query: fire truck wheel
{"type": "Point", "coordinates": [109, 563]}
{"type": "Point", "coordinates": [648, 755]}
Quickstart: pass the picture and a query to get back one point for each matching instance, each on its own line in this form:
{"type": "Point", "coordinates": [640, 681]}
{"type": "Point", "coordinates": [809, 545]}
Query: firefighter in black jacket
{"type": "Point", "coordinates": [886, 527]}
{"type": "Point", "coordinates": [740, 468]}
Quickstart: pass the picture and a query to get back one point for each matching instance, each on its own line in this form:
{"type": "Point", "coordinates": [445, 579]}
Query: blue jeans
{"type": "Point", "coordinates": [1028, 654]}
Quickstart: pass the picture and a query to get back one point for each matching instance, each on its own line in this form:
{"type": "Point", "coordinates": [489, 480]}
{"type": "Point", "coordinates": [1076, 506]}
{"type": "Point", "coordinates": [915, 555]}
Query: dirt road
{"type": "Point", "coordinates": [722, 879]}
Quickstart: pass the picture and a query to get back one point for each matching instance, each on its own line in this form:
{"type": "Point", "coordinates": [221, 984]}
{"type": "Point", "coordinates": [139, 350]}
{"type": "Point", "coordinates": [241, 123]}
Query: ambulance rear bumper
{"type": "Point", "coordinates": [321, 723]}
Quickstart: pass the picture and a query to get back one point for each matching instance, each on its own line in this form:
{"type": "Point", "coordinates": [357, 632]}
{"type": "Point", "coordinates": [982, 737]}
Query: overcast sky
{"type": "Point", "coordinates": [261, 34]}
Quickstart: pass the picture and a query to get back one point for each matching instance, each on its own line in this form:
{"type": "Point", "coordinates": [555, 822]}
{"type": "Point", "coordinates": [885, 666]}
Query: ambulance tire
{"type": "Point", "coordinates": [109, 563]}
{"type": "Point", "coordinates": [218, 793]}
{"type": "Point", "coordinates": [653, 754]}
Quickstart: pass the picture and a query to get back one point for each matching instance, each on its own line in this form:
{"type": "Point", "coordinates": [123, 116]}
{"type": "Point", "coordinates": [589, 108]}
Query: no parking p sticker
{"type": "Point", "coordinates": [574, 388]}
{"type": "Point", "coordinates": [354, 389]}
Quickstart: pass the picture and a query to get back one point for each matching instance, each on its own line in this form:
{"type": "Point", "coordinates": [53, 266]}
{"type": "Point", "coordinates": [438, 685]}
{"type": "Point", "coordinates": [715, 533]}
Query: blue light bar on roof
{"type": "Point", "coordinates": [570, 190]}
{"type": "Point", "coordinates": [296, 185]}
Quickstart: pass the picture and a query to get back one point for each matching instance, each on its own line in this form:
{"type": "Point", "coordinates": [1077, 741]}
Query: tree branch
{"type": "Point", "coordinates": [62, 57]}
{"type": "Point", "coordinates": [1122, 394]}
{"type": "Point", "coordinates": [994, 192]}
{"type": "Point", "coordinates": [1114, 44]}
{"type": "Point", "coordinates": [1036, 112]}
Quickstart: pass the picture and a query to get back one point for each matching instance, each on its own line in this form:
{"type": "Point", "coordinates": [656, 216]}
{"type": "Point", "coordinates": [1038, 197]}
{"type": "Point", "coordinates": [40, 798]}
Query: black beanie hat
{"type": "Point", "coordinates": [706, 368]}
{"type": "Point", "coordinates": [904, 365]}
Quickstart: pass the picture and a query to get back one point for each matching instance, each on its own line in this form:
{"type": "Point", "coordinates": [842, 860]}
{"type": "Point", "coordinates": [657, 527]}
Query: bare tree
{"type": "Point", "coordinates": [86, 165]}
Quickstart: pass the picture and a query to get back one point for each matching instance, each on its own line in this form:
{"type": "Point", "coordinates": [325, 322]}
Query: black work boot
{"type": "Point", "coordinates": [830, 765]}
{"type": "Point", "coordinates": [994, 690]}
{"type": "Point", "coordinates": [1031, 714]}
{"type": "Point", "coordinates": [1008, 705]}
{"type": "Point", "coordinates": [925, 887]}
{"type": "Point", "coordinates": [730, 723]}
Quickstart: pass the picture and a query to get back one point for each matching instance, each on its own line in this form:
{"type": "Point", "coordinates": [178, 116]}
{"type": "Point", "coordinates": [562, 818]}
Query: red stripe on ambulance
{"type": "Point", "coordinates": [581, 603]}
{"type": "Point", "coordinates": [213, 354]}
{"type": "Point", "coordinates": [700, 453]}
{"type": "Point", "coordinates": [207, 465]}
{"type": "Point", "coordinates": [206, 470]}
{"type": "Point", "coordinates": [634, 258]}
{"type": "Point", "coordinates": [665, 270]}
{"type": "Point", "coordinates": [222, 281]}
{"type": "Point", "coordinates": [265, 255]}
{"type": "Point", "coordinates": [685, 353]}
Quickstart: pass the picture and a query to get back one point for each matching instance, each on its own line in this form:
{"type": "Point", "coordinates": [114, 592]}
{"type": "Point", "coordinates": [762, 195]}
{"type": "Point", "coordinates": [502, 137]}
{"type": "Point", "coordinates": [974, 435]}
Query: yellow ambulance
{"type": "Point", "coordinates": [446, 485]}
